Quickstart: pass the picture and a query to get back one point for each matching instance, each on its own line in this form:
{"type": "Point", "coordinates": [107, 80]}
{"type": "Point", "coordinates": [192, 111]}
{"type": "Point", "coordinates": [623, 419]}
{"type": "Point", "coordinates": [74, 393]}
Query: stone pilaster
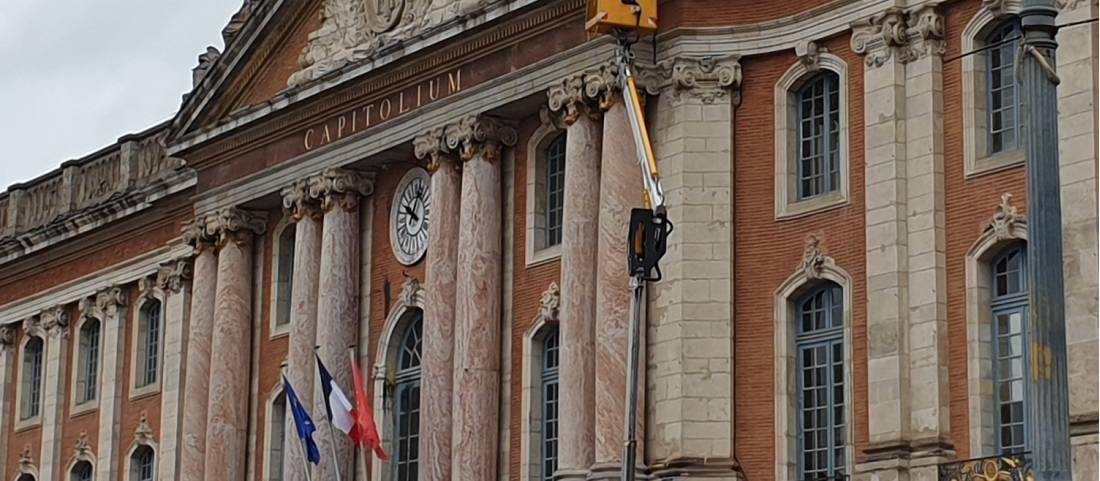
{"type": "Point", "coordinates": [306, 212]}
{"type": "Point", "coordinates": [55, 321]}
{"type": "Point", "coordinates": [580, 100]}
{"type": "Point", "coordinates": [478, 141]}
{"type": "Point", "coordinates": [200, 330]}
{"type": "Point", "coordinates": [439, 310]}
{"type": "Point", "coordinates": [174, 279]}
{"type": "Point", "coordinates": [227, 406]}
{"type": "Point", "coordinates": [690, 310]}
{"type": "Point", "coordinates": [339, 192]}
{"type": "Point", "coordinates": [620, 190]}
{"type": "Point", "coordinates": [107, 305]}
{"type": "Point", "coordinates": [7, 384]}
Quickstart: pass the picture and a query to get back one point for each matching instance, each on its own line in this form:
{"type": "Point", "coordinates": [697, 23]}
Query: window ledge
{"type": "Point", "coordinates": [84, 408]}
{"type": "Point", "coordinates": [995, 163]}
{"type": "Point", "coordinates": [278, 331]}
{"type": "Point", "coordinates": [813, 205]}
{"type": "Point", "coordinates": [544, 256]}
{"type": "Point", "coordinates": [29, 423]}
{"type": "Point", "coordinates": [145, 391]}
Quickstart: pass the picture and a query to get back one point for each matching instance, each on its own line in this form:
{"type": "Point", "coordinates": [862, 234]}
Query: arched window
{"type": "Point", "coordinates": [82, 471]}
{"type": "Point", "coordinates": [26, 477]}
{"type": "Point", "coordinates": [148, 344]}
{"type": "Point", "coordinates": [819, 344]}
{"type": "Point", "coordinates": [550, 405]}
{"type": "Point", "coordinates": [818, 136]}
{"type": "Point", "coordinates": [1009, 305]}
{"type": "Point", "coordinates": [406, 410]}
{"type": "Point", "coordinates": [276, 451]}
{"type": "Point", "coordinates": [142, 464]}
{"type": "Point", "coordinates": [554, 172]}
{"type": "Point", "coordinates": [88, 367]}
{"type": "Point", "coordinates": [1001, 95]}
{"type": "Point", "coordinates": [284, 276]}
{"type": "Point", "coordinates": [31, 401]}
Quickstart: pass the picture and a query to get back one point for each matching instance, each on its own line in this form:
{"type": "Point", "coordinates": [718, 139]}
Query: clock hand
{"type": "Point", "coordinates": [409, 211]}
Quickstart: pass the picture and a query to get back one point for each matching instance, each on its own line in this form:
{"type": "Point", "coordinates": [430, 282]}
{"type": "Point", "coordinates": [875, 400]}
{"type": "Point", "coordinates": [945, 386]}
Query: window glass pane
{"type": "Point", "coordinates": [1001, 95]}
{"type": "Point", "coordinates": [819, 125]}
{"type": "Point", "coordinates": [150, 338]}
{"type": "Point", "coordinates": [406, 420]}
{"type": "Point", "coordinates": [549, 375]}
{"type": "Point", "coordinates": [32, 378]}
{"type": "Point", "coordinates": [554, 158]}
{"type": "Point", "coordinates": [821, 385]}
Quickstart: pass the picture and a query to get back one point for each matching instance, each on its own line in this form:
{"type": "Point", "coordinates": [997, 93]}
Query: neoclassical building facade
{"type": "Point", "coordinates": [438, 190]}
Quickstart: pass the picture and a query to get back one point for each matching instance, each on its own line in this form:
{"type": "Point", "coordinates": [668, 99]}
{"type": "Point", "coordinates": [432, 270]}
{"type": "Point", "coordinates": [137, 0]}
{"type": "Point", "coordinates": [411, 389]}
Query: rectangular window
{"type": "Point", "coordinates": [32, 378]}
{"type": "Point", "coordinates": [818, 128]}
{"type": "Point", "coordinates": [152, 343]}
{"type": "Point", "coordinates": [1004, 106]}
{"type": "Point", "coordinates": [1009, 361]}
{"type": "Point", "coordinates": [89, 347]}
{"type": "Point", "coordinates": [555, 189]}
{"type": "Point", "coordinates": [821, 409]}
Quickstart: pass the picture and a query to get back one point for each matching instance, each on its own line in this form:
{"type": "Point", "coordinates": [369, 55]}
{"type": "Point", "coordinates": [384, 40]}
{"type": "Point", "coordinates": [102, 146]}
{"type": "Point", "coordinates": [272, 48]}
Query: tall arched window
{"type": "Point", "coordinates": [148, 344]}
{"type": "Point", "coordinates": [88, 367]}
{"type": "Point", "coordinates": [1009, 305]}
{"type": "Point", "coordinates": [30, 403]}
{"type": "Point", "coordinates": [820, 349]}
{"type": "Point", "coordinates": [276, 452]}
{"type": "Point", "coordinates": [550, 405]}
{"type": "Point", "coordinates": [406, 410]}
{"type": "Point", "coordinates": [1001, 95]}
{"type": "Point", "coordinates": [82, 471]}
{"type": "Point", "coordinates": [819, 136]}
{"type": "Point", "coordinates": [554, 170]}
{"type": "Point", "coordinates": [142, 464]}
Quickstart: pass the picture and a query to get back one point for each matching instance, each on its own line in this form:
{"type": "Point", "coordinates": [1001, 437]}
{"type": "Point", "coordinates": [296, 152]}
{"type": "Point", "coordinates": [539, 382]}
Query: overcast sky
{"type": "Point", "coordinates": [78, 74]}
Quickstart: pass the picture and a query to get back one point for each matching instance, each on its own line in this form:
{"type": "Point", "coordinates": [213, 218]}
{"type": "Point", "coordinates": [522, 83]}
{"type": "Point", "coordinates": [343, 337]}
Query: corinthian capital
{"type": "Point", "coordinates": [431, 144]}
{"type": "Point", "coordinates": [196, 236]}
{"type": "Point", "coordinates": [708, 78]}
{"type": "Point", "coordinates": [590, 93]}
{"type": "Point", "coordinates": [479, 135]}
{"type": "Point", "coordinates": [926, 32]}
{"type": "Point", "coordinates": [233, 224]}
{"type": "Point", "coordinates": [340, 187]}
{"type": "Point", "coordinates": [55, 321]}
{"type": "Point", "coordinates": [298, 204]}
{"type": "Point", "coordinates": [880, 37]}
{"type": "Point", "coordinates": [172, 275]}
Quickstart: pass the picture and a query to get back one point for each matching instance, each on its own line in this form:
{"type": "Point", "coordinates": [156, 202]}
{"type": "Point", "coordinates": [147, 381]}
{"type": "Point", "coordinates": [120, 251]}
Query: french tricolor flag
{"type": "Point", "coordinates": [355, 421]}
{"type": "Point", "coordinates": [337, 406]}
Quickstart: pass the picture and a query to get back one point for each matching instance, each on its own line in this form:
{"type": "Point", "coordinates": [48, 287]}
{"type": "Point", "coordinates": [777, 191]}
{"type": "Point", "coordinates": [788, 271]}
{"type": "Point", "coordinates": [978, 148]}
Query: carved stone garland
{"type": "Point", "coordinates": [340, 187]}
{"type": "Point", "coordinates": [479, 135]}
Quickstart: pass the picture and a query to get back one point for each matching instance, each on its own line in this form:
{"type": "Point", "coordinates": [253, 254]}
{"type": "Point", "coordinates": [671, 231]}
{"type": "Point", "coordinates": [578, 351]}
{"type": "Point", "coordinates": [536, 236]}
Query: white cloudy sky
{"type": "Point", "coordinates": [77, 74]}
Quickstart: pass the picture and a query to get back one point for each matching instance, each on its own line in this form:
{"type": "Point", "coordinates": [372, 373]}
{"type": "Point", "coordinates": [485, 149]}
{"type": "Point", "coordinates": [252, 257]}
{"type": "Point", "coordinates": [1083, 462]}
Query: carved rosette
{"type": "Point", "coordinates": [432, 144]}
{"type": "Point", "coordinates": [590, 93]}
{"type": "Point", "coordinates": [479, 135]}
{"type": "Point", "coordinates": [894, 33]}
{"type": "Point", "coordinates": [1005, 218]}
{"type": "Point", "coordinates": [297, 202]}
{"type": "Point", "coordinates": [233, 224]}
{"type": "Point", "coordinates": [813, 259]}
{"type": "Point", "coordinates": [340, 187]}
{"type": "Point", "coordinates": [708, 78]}
{"type": "Point", "coordinates": [549, 304]}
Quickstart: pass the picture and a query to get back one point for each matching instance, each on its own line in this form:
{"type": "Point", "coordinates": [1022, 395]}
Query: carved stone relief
{"type": "Point", "coordinates": [340, 187]}
{"type": "Point", "coordinates": [432, 144]}
{"type": "Point", "coordinates": [708, 78]}
{"type": "Point", "coordinates": [298, 204]}
{"type": "Point", "coordinates": [894, 33]}
{"type": "Point", "coordinates": [410, 289]}
{"type": "Point", "coordinates": [809, 54]}
{"type": "Point", "coordinates": [1005, 218]}
{"type": "Point", "coordinates": [479, 135]}
{"type": "Point", "coordinates": [549, 304]}
{"type": "Point", "coordinates": [813, 258]}
{"type": "Point", "coordinates": [232, 224]}
{"type": "Point", "coordinates": [7, 337]}
{"type": "Point", "coordinates": [587, 93]}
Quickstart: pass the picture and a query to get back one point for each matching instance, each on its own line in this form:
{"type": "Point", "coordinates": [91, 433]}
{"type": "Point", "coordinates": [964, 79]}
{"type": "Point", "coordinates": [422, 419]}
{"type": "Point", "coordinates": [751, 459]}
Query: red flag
{"type": "Point", "coordinates": [364, 432]}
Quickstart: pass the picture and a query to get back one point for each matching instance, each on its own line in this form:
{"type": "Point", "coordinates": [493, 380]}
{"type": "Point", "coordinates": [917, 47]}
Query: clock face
{"type": "Point", "coordinates": [410, 215]}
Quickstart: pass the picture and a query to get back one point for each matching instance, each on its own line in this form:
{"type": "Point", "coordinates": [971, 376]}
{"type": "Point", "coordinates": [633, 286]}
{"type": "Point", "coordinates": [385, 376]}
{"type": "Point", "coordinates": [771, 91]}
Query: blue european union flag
{"type": "Point", "coordinates": [303, 423]}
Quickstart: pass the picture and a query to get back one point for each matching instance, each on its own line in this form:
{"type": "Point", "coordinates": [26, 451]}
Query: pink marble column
{"type": "Point", "coordinates": [197, 371]}
{"type": "Point", "coordinates": [577, 314]}
{"type": "Point", "coordinates": [303, 311]}
{"type": "Point", "coordinates": [476, 400]}
{"type": "Point", "coordinates": [620, 190]}
{"type": "Point", "coordinates": [439, 311]}
{"type": "Point", "coordinates": [227, 409]}
{"type": "Point", "coordinates": [339, 191]}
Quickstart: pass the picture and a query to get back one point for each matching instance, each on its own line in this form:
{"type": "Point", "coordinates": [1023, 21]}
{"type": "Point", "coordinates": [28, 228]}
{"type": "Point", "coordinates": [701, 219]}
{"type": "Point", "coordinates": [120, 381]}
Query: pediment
{"type": "Point", "coordinates": [283, 51]}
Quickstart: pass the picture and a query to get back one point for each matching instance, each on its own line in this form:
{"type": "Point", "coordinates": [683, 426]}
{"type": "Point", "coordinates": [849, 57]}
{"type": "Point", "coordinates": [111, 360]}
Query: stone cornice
{"type": "Point", "coordinates": [586, 93]}
{"type": "Point", "coordinates": [476, 135]}
{"type": "Point", "coordinates": [899, 34]}
{"type": "Point", "coordinates": [708, 78]}
{"type": "Point", "coordinates": [233, 224]}
{"type": "Point", "coordinates": [340, 187]}
{"type": "Point", "coordinates": [297, 202]}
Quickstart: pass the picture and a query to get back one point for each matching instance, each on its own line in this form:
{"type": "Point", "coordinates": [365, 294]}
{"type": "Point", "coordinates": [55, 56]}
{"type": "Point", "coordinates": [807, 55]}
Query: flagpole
{"type": "Point", "coordinates": [305, 458]}
{"type": "Point", "coordinates": [331, 429]}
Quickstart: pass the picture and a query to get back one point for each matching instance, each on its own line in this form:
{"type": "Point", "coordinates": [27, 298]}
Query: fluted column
{"type": "Point", "coordinates": [620, 190]}
{"type": "Point", "coordinates": [55, 322]}
{"type": "Point", "coordinates": [306, 212]}
{"type": "Point", "coordinates": [339, 191]}
{"type": "Point", "coordinates": [107, 306]}
{"type": "Point", "coordinates": [196, 380]}
{"type": "Point", "coordinates": [476, 405]}
{"type": "Point", "coordinates": [580, 110]}
{"type": "Point", "coordinates": [227, 408]}
{"type": "Point", "coordinates": [439, 311]}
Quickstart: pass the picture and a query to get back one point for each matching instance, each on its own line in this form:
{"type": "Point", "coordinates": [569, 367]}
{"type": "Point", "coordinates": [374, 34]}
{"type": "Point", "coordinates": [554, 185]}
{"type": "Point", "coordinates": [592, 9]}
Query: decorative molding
{"type": "Point", "coordinates": [297, 202]}
{"type": "Point", "coordinates": [482, 135]}
{"type": "Point", "coordinates": [33, 326]}
{"type": "Point", "coordinates": [709, 78]}
{"type": "Point", "coordinates": [1000, 8]}
{"type": "Point", "coordinates": [1005, 218]}
{"type": "Point", "coordinates": [55, 321]}
{"type": "Point", "coordinates": [879, 37]}
{"type": "Point", "coordinates": [103, 304]}
{"type": "Point", "coordinates": [233, 224]}
{"type": "Point", "coordinates": [143, 433]}
{"type": "Point", "coordinates": [82, 449]}
{"type": "Point", "coordinates": [809, 54]}
{"type": "Point", "coordinates": [813, 258]}
{"type": "Point", "coordinates": [590, 92]}
{"type": "Point", "coordinates": [194, 234]}
{"type": "Point", "coordinates": [432, 144]}
{"type": "Point", "coordinates": [340, 187]}
{"type": "Point", "coordinates": [173, 275]}
{"type": "Point", "coordinates": [207, 60]}
{"type": "Point", "coordinates": [146, 287]}
{"type": "Point", "coordinates": [549, 304]}
{"type": "Point", "coordinates": [7, 338]}
{"type": "Point", "coordinates": [926, 32]}
{"type": "Point", "coordinates": [26, 461]}
{"type": "Point", "coordinates": [410, 291]}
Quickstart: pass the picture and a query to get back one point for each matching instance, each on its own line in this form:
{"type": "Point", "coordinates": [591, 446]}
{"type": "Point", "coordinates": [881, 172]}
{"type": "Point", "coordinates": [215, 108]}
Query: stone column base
{"type": "Point", "coordinates": [614, 472]}
{"type": "Point", "coordinates": [571, 475]}
{"type": "Point", "coordinates": [685, 468]}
